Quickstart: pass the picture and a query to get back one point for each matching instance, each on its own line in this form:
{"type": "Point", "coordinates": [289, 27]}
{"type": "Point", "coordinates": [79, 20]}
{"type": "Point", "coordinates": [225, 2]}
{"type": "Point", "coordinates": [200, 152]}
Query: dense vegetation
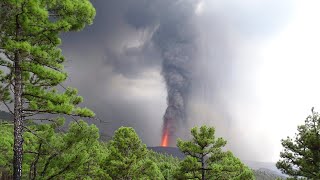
{"type": "Point", "coordinates": [78, 154]}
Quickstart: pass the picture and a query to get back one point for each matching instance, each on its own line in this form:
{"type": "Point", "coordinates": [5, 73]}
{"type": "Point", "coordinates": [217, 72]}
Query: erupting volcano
{"type": "Point", "coordinates": [164, 140]}
{"type": "Point", "coordinates": [170, 127]}
{"type": "Point", "coordinates": [175, 38]}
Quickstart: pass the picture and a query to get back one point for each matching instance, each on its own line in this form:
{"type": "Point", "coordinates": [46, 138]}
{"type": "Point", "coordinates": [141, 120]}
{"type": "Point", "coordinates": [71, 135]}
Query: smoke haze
{"type": "Point", "coordinates": [147, 64]}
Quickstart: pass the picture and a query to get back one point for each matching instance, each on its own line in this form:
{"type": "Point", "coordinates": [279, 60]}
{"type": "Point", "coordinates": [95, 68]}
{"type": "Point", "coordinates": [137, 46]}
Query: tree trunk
{"type": "Point", "coordinates": [18, 121]}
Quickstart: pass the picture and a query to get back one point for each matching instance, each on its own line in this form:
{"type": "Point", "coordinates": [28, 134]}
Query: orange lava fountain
{"type": "Point", "coordinates": [164, 141]}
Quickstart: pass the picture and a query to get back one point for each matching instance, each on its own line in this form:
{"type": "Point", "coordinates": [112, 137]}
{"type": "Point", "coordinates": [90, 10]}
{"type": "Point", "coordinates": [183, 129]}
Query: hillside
{"type": "Point", "coordinates": [267, 174]}
{"type": "Point", "coordinates": [175, 152]}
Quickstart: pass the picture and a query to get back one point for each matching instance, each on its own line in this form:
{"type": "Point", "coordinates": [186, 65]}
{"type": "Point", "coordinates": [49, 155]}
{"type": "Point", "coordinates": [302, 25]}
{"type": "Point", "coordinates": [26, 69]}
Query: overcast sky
{"type": "Point", "coordinates": [262, 77]}
{"type": "Point", "coordinates": [286, 78]}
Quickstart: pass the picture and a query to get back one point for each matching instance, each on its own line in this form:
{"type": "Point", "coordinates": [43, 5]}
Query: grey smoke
{"type": "Point", "coordinates": [175, 37]}
{"type": "Point", "coordinates": [144, 60]}
{"type": "Point", "coordinates": [171, 44]}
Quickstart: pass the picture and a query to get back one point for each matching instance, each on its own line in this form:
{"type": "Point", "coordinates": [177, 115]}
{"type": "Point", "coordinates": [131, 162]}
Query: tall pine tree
{"type": "Point", "coordinates": [32, 61]}
{"type": "Point", "coordinates": [301, 155]}
{"type": "Point", "coordinates": [205, 158]}
{"type": "Point", "coordinates": [128, 157]}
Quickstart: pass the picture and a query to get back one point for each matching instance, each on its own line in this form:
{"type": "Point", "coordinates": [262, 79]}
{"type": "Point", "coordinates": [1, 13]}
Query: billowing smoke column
{"type": "Point", "coordinates": [177, 52]}
{"type": "Point", "coordinates": [174, 37]}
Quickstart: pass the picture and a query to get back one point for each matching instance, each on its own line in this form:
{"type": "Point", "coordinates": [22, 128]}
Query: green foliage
{"type": "Point", "coordinates": [167, 164]}
{"type": "Point", "coordinates": [128, 157]}
{"type": "Point", "coordinates": [31, 61]}
{"type": "Point", "coordinates": [301, 155]}
{"type": "Point", "coordinates": [76, 154]}
{"type": "Point", "coordinates": [206, 160]}
{"type": "Point", "coordinates": [6, 144]}
{"type": "Point", "coordinates": [229, 168]}
{"type": "Point", "coordinates": [30, 31]}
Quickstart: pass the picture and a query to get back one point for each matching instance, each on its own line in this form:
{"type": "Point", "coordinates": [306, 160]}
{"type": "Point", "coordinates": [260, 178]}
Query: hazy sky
{"type": "Point", "coordinates": [255, 78]}
{"type": "Point", "coordinates": [286, 78]}
{"type": "Point", "coordinates": [266, 87]}
{"type": "Point", "coordinates": [284, 71]}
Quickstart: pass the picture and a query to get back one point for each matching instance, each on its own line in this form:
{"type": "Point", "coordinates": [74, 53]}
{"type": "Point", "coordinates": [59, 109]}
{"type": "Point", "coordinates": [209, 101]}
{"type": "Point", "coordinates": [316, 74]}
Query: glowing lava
{"type": "Point", "coordinates": [164, 141]}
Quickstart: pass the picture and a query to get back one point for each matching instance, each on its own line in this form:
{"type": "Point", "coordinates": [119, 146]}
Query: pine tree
{"type": "Point", "coordinates": [301, 155]}
{"type": "Point", "coordinates": [205, 158]}
{"type": "Point", "coordinates": [32, 61]}
{"type": "Point", "coordinates": [128, 157]}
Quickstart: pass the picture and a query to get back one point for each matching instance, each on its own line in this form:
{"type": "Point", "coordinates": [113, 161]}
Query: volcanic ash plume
{"type": "Point", "coordinates": [175, 39]}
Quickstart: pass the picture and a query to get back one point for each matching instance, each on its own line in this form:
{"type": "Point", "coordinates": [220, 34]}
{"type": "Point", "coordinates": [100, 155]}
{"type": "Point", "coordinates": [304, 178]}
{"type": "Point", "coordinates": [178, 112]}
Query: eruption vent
{"type": "Point", "coordinates": [164, 140]}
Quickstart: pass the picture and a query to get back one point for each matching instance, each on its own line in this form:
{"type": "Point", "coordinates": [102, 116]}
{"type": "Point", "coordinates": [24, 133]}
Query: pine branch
{"type": "Point", "coordinates": [33, 167]}
{"type": "Point", "coordinates": [42, 139]}
{"type": "Point", "coordinates": [64, 169]}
